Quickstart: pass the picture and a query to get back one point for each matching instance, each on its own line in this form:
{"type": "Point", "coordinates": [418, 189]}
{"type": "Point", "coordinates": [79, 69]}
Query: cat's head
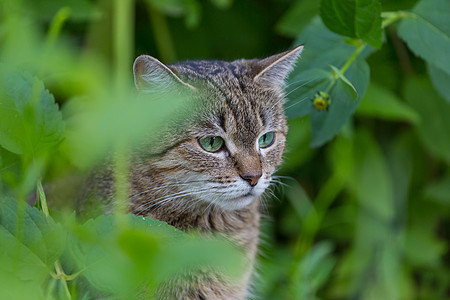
{"type": "Point", "coordinates": [229, 145]}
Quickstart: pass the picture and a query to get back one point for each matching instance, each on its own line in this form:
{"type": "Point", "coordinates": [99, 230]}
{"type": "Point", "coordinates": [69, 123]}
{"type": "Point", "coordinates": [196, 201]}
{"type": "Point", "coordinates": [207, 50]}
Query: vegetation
{"type": "Point", "coordinates": [364, 197]}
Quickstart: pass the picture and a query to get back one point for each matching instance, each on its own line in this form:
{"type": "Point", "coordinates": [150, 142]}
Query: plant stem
{"type": "Point", "coordinates": [163, 38]}
{"type": "Point", "coordinates": [390, 17]}
{"type": "Point", "coordinates": [123, 41]}
{"type": "Point", "coordinates": [60, 275]}
{"type": "Point", "coordinates": [63, 277]}
{"type": "Point", "coordinates": [55, 27]}
{"type": "Point", "coordinates": [42, 200]}
{"type": "Point", "coordinates": [352, 57]}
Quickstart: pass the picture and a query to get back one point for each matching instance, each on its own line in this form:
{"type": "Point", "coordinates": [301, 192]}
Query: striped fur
{"type": "Point", "coordinates": [182, 184]}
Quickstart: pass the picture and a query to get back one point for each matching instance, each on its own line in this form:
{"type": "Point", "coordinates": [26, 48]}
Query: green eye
{"type": "Point", "coordinates": [211, 143]}
{"type": "Point", "coordinates": [266, 140]}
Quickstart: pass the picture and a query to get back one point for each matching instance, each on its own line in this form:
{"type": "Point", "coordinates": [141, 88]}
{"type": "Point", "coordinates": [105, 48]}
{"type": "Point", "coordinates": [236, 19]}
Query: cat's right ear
{"type": "Point", "coordinates": [150, 74]}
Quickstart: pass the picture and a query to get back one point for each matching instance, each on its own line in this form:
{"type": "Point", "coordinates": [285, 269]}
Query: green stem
{"type": "Point", "coordinates": [62, 276]}
{"type": "Point", "coordinates": [121, 169]}
{"type": "Point", "coordinates": [390, 17]}
{"type": "Point", "coordinates": [42, 200]}
{"type": "Point", "coordinates": [352, 57]}
{"type": "Point", "coordinates": [162, 34]}
{"type": "Point", "coordinates": [55, 27]}
{"type": "Point", "coordinates": [313, 220]}
{"type": "Point", "coordinates": [123, 39]}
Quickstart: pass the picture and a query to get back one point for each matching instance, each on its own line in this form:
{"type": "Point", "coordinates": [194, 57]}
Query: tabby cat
{"type": "Point", "coordinates": [209, 174]}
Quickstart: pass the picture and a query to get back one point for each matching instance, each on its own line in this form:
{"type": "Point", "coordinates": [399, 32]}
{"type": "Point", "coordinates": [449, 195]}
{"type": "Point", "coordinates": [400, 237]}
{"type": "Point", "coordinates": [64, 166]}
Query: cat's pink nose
{"type": "Point", "coordinates": [251, 178]}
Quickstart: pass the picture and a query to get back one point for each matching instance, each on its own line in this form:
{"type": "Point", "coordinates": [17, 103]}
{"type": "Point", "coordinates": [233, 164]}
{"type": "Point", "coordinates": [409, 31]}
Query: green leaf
{"type": "Point", "coordinates": [28, 255]}
{"type": "Point", "coordinates": [302, 88]}
{"type": "Point", "coordinates": [99, 123]}
{"type": "Point", "coordinates": [299, 134]}
{"type": "Point", "coordinates": [121, 260]}
{"type": "Point", "coordinates": [338, 73]}
{"type": "Point", "coordinates": [422, 247]}
{"type": "Point", "coordinates": [381, 103]}
{"type": "Point", "coordinates": [354, 18]}
{"type": "Point", "coordinates": [297, 17]}
{"type": "Point", "coordinates": [312, 74]}
{"type": "Point", "coordinates": [434, 128]}
{"type": "Point", "coordinates": [223, 4]}
{"type": "Point", "coordinates": [189, 8]}
{"type": "Point", "coordinates": [325, 124]}
{"type": "Point", "coordinates": [426, 31]}
{"type": "Point", "coordinates": [440, 79]}
{"type": "Point", "coordinates": [372, 180]}
{"type": "Point", "coordinates": [439, 191]}
{"type": "Point", "coordinates": [80, 10]}
{"type": "Point", "coordinates": [313, 271]}
{"type": "Point", "coordinates": [31, 121]}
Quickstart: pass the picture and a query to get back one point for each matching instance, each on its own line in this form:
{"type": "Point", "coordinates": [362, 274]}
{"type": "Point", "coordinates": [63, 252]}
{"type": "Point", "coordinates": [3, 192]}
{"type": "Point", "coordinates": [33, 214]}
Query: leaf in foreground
{"type": "Point", "coordinates": [357, 19]}
{"type": "Point", "coordinates": [31, 121]}
{"type": "Point", "coordinates": [426, 30]}
{"type": "Point", "coordinates": [30, 254]}
{"type": "Point", "coordinates": [122, 261]}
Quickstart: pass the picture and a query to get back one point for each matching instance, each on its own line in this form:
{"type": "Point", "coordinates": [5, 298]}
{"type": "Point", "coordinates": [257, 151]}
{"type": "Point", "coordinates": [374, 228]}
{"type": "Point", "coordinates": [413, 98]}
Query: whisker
{"type": "Point", "coordinates": [167, 198]}
{"type": "Point", "coordinates": [300, 86]}
{"type": "Point", "coordinates": [297, 102]}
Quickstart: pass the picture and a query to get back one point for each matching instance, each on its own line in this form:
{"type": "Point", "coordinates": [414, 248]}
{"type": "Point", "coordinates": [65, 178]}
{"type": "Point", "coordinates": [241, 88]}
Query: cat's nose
{"type": "Point", "coordinates": [251, 178]}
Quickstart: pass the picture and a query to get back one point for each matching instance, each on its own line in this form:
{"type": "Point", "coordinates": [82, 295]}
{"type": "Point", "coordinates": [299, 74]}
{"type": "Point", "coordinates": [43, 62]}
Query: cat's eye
{"type": "Point", "coordinates": [211, 143]}
{"type": "Point", "coordinates": [266, 139]}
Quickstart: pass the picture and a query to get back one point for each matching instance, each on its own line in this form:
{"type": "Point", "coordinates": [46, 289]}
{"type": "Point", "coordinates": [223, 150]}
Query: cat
{"type": "Point", "coordinates": [209, 174]}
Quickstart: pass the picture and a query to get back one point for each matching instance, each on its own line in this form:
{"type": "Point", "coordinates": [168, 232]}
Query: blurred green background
{"type": "Point", "coordinates": [364, 216]}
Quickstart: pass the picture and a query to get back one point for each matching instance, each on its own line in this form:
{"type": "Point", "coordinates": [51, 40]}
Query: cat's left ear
{"type": "Point", "coordinates": [273, 70]}
{"type": "Point", "coordinates": [152, 75]}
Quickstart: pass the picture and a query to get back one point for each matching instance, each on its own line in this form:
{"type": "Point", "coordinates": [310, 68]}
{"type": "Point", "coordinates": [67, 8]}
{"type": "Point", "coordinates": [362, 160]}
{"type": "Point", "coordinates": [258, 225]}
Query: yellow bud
{"type": "Point", "coordinates": [321, 101]}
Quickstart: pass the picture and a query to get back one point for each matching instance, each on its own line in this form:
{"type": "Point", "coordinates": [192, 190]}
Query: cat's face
{"type": "Point", "coordinates": [225, 153]}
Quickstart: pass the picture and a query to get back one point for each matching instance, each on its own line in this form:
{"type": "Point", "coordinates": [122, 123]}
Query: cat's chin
{"type": "Point", "coordinates": [236, 203]}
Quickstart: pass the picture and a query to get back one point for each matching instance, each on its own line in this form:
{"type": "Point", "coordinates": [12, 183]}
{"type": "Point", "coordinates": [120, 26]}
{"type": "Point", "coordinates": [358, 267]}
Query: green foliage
{"type": "Point", "coordinates": [356, 19]}
{"type": "Point", "coordinates": [379, 102]}
{"type": "Point", "coordinates": [365, 211]}
{"type": "Point", "coordinates": [434, 129]}
{"type": "Point", "coordinates": [31, 121]}
{"type": "Point", "coordinates": [318, 72]}
{"type": "Point", "coordinates": [426, 31]}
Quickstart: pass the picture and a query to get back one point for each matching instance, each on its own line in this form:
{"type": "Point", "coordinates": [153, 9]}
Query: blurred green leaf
{"type": "Point", "coordinates": [80, 10]}
{"type": "Point", "coordinates": [434, 128]}
{"type": "Point", "coordinates": [354, 18]}
{"type": "Point", "coordinates": [313, 271]}
{"type": "Point", "coordinates": [12, 288]}
{"type": "Point", "coordinates": [440, 80]}
{"type": "Point", "coordinates": [297, 17]}
{"type": "Point", "coordinates": [223, 4]}
{"type": "Point", "coordinates": [299, 134]}
{"type": "Point", "coordinates": [426, 31]}
{"type": "Point", "coordinates": [143, 254]}
{"type": "Point", "coordinates": [31, 121]}
{"type": "Point", "coordinates": [382, 103]}
{"type": "Point", "coordinates": [423, 248]}
{"type": "Point", "coordinates": [372, 182]}
{"type": "Point", "coordinates": [189, 8]}
{"type": "Point", "coordinates": [439, 191]}
{"type": "Point", "coordinates": [29, 254]}
{"type": "Point", "coordinates": [99, 123]}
